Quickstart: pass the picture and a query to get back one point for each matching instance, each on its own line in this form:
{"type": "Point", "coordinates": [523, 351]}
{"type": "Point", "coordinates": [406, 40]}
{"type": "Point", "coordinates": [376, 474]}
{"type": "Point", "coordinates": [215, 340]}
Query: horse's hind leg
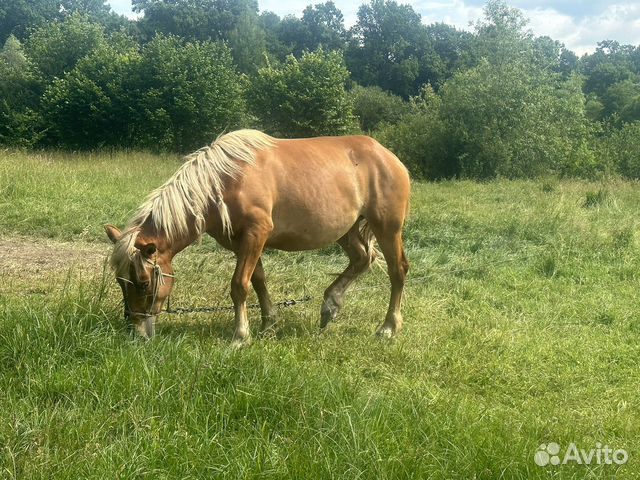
{"type": "Point", "coordinates": [360, 257]}
{"type": "Point", "coordinates": [258, 280]}
{"type": "Point", "coordinates": [398, 266]}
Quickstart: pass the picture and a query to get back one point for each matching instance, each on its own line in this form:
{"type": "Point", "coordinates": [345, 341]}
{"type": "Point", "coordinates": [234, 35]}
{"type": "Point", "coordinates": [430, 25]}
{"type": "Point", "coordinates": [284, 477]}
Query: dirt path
{"type": "Point", "coordinates": [25, 257]}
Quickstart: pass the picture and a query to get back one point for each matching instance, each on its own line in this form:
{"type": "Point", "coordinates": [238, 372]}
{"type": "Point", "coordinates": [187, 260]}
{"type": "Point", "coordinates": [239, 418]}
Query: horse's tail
{"type": "Point", "coordinates": [368, 239]}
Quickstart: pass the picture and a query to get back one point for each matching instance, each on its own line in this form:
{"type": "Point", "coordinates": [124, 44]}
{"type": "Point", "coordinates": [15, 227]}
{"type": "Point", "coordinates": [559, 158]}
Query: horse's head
{"type": "Point", "coordinates": [144, 273]}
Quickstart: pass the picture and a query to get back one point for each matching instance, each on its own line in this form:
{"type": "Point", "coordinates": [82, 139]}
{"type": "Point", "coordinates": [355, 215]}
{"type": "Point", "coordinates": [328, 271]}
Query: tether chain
{"type": "Point", "coordinates": [180, 310]}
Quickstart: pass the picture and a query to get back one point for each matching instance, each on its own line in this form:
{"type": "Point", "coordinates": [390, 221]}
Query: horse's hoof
{"type": "Point", "coordinates": [327, 314]}
{"type": "Point", "coordinates": [240, 341]}
{"type": "Point", "coordinates": [385, 331]}
{"type": "Point", "coordinates": [238, 344]}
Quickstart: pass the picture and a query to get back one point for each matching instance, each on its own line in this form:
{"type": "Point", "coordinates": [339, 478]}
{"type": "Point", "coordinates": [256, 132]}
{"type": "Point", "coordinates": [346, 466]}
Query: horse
{"type": "Point", "coordinates": [251, 191]}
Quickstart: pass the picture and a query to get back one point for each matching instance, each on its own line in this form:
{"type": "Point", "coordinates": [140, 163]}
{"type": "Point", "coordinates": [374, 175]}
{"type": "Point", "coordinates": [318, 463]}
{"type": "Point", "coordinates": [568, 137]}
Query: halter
{"type": "Point", "coordinates": [158, 281]}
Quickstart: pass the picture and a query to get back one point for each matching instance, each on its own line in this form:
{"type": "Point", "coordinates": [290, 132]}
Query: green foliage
{"type": "Point", "coordinates": [20, 87]}
{"type": "Point", "coordinates": [304, 97]}
{"type": "Point", "coordinates": [95, 103]}
{"type": "Point", "coordinates": [321, 26]}
{"type": "Point", "coordinates": [621, 148]}
{"type": "Point", "coordinates": [501, 102]}
{"type": "Point", "coordinates": [56, 47]}
{"type": "Point", "coordinates": [419, 138]}
{"type": "Point", "coordinates": [373, 107]}
{"type": "Point", "coordinates": [247, 43]}
{"type": "Point", "coordinates": [107, 91]}
{"type": "Point", "coordinates": [508, 116]}
{"type": "Point", "coordinates": [612, 74]}
{"type": "Point", "coordinates": [501, 36]}
{"type": "Point", "coordinates": [389, 47]}
{"type": "Point", "coordinates": [235, 21]}
{"type": "Point", "coordinates": [511, 120]}
{"type": "Point", "coordinates": [18, 16]}
{"type": "Point", "coordinates": [622, 99]}
{"type": "Point", "coordinates": [325, 26]}
{"type": "Point", "coordinates": [189, 93]}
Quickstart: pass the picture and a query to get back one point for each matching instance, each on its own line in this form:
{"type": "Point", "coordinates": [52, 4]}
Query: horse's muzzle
{"type": "Point", "coordinates": [144, 326]}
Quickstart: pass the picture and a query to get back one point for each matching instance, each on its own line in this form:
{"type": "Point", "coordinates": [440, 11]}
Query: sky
{"type": "Point", "coordinates": [579, 24]}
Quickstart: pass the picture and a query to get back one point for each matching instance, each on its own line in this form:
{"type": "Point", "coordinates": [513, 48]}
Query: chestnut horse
{"type": "Point", "coordinates": [251, 191]}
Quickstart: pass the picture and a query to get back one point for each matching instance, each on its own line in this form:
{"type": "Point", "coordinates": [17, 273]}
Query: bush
{"type": "Point", "coordinates": [621, 148]}
{"type": "Point", "coordinates": [304, 97]}
{"type": "Point", "coordinates": [373, 106]}
{"type": "Point", "coordinates": [514, 120]}
{"type": "Point", "coordinates": [94, 104]}
{"type": "Point", "coordinates": [189, 92]}
{"type": "Point", "coordinates": [418, 139]}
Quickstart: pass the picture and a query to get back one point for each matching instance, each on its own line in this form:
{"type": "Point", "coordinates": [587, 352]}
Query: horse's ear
{"type": "Point", "coordinates": [148, 249]}
{"type": "Point", "coordinates": [113, 233]}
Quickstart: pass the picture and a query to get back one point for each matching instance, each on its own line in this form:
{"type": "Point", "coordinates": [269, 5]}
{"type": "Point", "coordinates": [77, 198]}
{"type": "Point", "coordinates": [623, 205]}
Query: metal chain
{"type": "Point", "coordinates": [181, 310]}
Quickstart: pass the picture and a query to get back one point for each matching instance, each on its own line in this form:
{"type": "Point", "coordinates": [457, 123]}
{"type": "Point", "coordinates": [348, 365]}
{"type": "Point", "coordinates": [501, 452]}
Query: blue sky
{"type": "Point", "coordinates": [579, 24]}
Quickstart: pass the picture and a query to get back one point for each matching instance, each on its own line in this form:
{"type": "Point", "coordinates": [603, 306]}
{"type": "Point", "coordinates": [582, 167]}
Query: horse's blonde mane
{"type": "Point", "coordinates": [182, 202]}
{"type": "Point", "coordinates": [125, 252]}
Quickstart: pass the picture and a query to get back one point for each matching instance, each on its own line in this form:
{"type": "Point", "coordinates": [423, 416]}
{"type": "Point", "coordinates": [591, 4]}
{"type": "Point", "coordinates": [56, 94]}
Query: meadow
{"type": "Point", "coordinates": [521, 329]}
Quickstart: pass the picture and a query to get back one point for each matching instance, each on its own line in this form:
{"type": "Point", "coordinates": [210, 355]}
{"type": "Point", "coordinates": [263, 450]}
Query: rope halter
{"type": "Point", "coordinates": [157, 279]}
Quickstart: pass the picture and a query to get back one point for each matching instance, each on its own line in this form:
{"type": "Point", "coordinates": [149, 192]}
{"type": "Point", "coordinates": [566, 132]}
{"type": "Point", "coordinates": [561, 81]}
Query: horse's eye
{"type": "Point", "coordinates": [143, 286]}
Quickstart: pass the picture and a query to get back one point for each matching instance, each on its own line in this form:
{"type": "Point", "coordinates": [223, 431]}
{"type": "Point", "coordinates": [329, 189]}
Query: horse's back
{"type": "Point", "coordinates": [315, 189]}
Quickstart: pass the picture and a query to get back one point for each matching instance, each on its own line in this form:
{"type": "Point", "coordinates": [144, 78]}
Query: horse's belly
{"type": "Point", "coordinates": [301, 228]}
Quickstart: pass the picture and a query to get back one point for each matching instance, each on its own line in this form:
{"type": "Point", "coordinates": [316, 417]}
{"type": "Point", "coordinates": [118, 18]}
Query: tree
{"type": "Point", "coordinates": [325, 24]}
{"type": "Point", "coordinates": [18, 17]}
{"type": "Point", "coordinates": [611, 79]}
{"type": "Point", "coordinates": [419, 139]}
{"type": "Point", "coordinates": [20, 89]}
{"type": "Point", "coordinates": [389, 48]}
{"type": "Point", "coordinates": [622, 98]}
{"type": "Point", "coordinates": [293, 34]}
{"type": "Point", "coordinates": [275, 47]}
{"type": "Point", "coordinates": [454, 50]}
{"type": "Point", "coordinates": [568, 62]}
{"type": "Point", "coordinates": [55, 48]}
{"type": "Point", "coordinates": [235, 21]}
{"type": "Point", "coordinates": [304, 97]}
{"type": "Point", "coordinates": [501, 36]}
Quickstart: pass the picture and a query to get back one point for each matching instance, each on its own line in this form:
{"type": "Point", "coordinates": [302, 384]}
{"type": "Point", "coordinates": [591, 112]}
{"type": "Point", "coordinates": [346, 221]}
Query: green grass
{"type": "Point", "coordinates": [521, 328]}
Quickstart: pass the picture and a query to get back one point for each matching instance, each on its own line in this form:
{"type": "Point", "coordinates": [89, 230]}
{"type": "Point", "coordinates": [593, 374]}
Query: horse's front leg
{"type": "Point", "coordinates": [248, 255]}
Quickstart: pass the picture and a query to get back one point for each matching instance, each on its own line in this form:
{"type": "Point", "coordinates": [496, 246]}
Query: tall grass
{"type": "Point", "coordinates": [520, 329]}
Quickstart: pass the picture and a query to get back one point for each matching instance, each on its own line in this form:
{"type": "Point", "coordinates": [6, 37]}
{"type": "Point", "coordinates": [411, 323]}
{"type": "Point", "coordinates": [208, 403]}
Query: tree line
{"type": "Point", "coordinates": [493, 101]}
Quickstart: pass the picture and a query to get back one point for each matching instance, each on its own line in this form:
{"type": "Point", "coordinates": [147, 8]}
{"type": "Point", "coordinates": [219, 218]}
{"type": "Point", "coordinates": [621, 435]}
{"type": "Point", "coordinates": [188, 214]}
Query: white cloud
{"type": "Point", "coordinates": [619, 22]}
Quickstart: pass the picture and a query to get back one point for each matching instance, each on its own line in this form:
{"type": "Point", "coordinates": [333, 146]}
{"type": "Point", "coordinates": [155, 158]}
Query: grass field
{"type": "Point", "coordinates": [521, 328]}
